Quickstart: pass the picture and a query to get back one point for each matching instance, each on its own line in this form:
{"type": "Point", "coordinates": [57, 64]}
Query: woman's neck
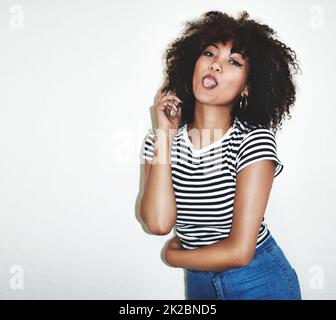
{"type": "Point", "coordinates": [212, 118]}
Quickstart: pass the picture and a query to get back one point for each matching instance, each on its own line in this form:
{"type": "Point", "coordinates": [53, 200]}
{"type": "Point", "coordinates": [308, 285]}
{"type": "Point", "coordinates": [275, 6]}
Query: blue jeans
{"type": "Point", "coordinates": [268, 276]}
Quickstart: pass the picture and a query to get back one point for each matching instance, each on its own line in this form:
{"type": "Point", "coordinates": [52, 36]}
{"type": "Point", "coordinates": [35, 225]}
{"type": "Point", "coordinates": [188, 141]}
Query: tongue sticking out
{"type": "Point", "coordinates": [209, 83]}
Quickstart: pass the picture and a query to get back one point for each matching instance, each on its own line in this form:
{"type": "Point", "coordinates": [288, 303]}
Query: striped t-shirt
{"type": "Point", "coordinates": [204, 180]}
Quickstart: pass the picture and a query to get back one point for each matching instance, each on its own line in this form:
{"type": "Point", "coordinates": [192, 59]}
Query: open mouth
{"type": "Point", "coordinates": [209, 82]}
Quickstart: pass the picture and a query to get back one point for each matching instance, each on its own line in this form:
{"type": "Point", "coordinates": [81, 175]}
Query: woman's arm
{"type": "Point", "coordinates": [253, 187]}
{"type": "Point", "coordinates": [158, 204]}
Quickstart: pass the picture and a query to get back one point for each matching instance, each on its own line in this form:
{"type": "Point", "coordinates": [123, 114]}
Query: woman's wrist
{"type": "Point", "coordinates": [164, 133]}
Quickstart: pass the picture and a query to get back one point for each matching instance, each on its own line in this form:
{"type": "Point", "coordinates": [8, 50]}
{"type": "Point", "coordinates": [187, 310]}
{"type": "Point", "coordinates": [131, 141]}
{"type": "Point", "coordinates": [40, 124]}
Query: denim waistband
{"type": "Point", "coordinates": [267, 245]}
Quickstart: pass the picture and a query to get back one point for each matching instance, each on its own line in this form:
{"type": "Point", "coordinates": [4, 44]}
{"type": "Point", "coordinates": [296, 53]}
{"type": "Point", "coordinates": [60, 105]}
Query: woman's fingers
{"type": "Point", "coordinates": [168, 95]}
{"type": "Point", "coordinates": [170, 104]}
{"type": "Point", "coordinates": [172, 98]}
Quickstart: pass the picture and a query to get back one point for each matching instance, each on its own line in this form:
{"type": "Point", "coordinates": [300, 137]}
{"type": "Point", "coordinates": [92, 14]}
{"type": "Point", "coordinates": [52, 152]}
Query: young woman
{"type": "Point", "coordinates": [211, 162]}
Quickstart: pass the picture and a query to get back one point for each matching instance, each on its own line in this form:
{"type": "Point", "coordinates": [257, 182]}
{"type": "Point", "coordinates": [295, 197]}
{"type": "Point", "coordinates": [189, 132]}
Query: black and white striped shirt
{"type": "Point", "coordinates": [204, 180]}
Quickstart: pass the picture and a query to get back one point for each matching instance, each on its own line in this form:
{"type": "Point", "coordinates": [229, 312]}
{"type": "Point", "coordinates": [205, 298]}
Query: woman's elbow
{"type": "Point", "coordinates": [244, 257]}
{"type": "Point", "coordinates": [160, 231]}
{"type": "Point", "coordinates": [155, 228]}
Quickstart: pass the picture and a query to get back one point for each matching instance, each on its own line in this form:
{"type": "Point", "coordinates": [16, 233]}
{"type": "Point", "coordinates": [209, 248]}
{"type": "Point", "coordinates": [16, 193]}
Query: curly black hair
{"type": "Point", "coordinates": [270, 80]}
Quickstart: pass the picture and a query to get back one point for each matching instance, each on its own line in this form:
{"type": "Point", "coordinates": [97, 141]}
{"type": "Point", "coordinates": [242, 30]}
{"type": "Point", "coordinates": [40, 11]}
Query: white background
{"type": "Point", "coordinates": [78, 82]}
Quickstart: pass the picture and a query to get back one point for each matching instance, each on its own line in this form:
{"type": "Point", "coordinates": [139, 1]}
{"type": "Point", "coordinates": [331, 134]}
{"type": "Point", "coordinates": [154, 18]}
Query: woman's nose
{"type": "Point", "coordinates": [215, 67]}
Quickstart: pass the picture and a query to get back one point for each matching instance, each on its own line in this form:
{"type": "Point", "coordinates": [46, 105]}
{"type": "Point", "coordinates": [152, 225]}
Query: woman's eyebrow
{"type": "Point", "coordinates": [242, 56]}
{"type": "Point", "coordinates": [213, 44]}
{"type": "Point", "coordinates": [216, 46]}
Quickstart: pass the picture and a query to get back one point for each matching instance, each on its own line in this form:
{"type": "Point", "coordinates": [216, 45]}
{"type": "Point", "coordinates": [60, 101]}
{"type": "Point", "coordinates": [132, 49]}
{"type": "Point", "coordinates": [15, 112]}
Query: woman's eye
{"type": "Point", "coordinates": [210, 54]}
{"type": "Point", "coordinates": [205, 53]}
{"type": "Point", "coordinates": [236, 63]}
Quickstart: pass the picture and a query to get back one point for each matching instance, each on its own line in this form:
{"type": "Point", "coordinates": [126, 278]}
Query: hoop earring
{"type": "Point", "coordinates": [243, 105]}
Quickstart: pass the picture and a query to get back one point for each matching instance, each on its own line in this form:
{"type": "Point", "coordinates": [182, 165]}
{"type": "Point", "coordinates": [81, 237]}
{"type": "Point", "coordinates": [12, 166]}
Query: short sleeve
{"type": "Point", "coordinates": [259, 144]}
{"type": "Point", "coordinates": [148, 149]}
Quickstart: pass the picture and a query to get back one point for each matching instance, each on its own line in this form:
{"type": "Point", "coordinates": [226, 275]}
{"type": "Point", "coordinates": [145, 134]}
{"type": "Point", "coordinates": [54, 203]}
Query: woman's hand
{"type": "Point", "coordinates": [166, 104]}
{"type": "Point", "coordinates": [175, 243]}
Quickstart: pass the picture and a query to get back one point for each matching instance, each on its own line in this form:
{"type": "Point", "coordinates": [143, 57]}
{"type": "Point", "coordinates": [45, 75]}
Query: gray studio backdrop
{"type": "Point", "coordinates": [78, 81]}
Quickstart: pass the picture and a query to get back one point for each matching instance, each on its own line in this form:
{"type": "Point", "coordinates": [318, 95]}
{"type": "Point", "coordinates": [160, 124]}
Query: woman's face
{"type": "Point", "coordinates": [229, 70]}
